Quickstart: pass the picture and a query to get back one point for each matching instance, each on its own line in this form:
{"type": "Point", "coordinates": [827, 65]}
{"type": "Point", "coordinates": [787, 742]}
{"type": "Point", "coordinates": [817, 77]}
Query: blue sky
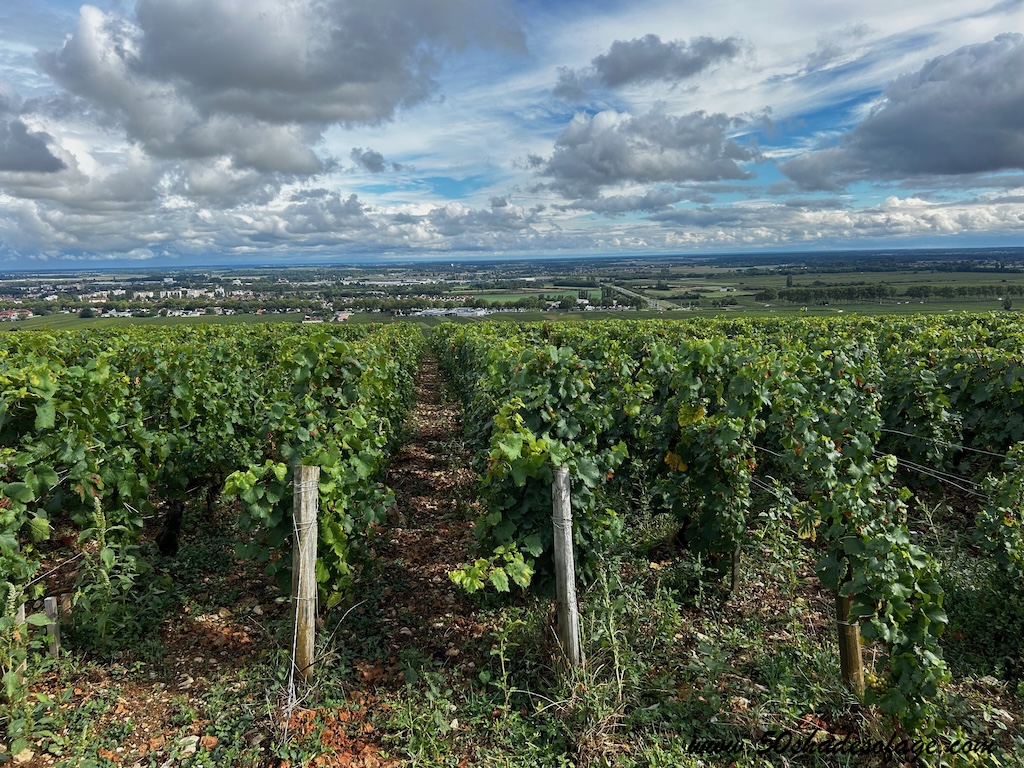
{"type": "Point", "coordinates": [173, 131]}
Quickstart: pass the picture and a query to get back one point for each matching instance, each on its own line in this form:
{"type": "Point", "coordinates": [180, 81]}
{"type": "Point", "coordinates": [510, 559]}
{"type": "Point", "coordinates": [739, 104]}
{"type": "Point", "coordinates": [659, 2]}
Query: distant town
{"type": "Point", "coordinates": [940, 280]}
{"type": "Point", "coordinates": [320, 294]}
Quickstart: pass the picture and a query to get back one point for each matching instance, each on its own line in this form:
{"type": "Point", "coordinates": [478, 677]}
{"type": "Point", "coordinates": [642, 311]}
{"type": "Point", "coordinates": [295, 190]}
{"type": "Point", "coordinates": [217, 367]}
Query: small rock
{"type": "Point", "coordinates": [189, 745]}
{"type": "Point", "coordinates": [405, 632]}
{"type": "Point", "coordinates": [258, 610]}
{"type": "Point", "coordinates": [24, 757]}
{"type": "Point", "coordinates": [452, 653]}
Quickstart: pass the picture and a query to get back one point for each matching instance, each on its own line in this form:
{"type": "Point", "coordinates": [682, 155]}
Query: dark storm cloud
{"type": "Point", "coordinates": [617, 205]}
{"type": "Point", "coordinates": [221, 185]}
{"type": "Point", "coordinates": [645, 60]}
{"type": "Point", "coordinates": [531, 162]}
{"type": "Point", "coordinates": [21, 149]}
{"type": "Point", "coordinates": [368, 159]}
{"type": "Point", "coordinates": [612, 148]}
{"type": "Point", "coordinates": [816, 204]}
{"type": "Point", "coordinates": [961, 114]}
{"type": "Point", "coordinates": [932, 185]}
{"type": "Point", "coordinates": [260, 81]}
{"type": "Point", "coordinates": [706, 216]}
{"type": "Point", "coordinates": [328, 212]}
{"type": "Point", "coordinates": [317, 60]}
{"type": "Point", "coordinates": [456, 220]}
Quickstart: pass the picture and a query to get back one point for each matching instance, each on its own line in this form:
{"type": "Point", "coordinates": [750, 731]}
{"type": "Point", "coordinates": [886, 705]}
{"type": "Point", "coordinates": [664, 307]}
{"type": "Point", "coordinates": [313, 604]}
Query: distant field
{"type": "Point", "coordinates": [678, 280]}
{"type": "Point", "coordinates": [898, 279]}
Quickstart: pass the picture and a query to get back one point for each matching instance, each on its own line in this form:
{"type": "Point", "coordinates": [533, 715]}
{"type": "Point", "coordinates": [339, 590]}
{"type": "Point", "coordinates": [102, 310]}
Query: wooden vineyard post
{"type": "Point", "coordinates": [734, 584]}
{"type": "Point", "coordinates": [21, 627]}
{"type": "Point", "coordinates": [565, 569]}
{"type": "Point", "coordinates": [850, 663]}
{"type": "Point", "coordinates": [306, 506]}
{"type": "Point", "coordinates": [52, 625]}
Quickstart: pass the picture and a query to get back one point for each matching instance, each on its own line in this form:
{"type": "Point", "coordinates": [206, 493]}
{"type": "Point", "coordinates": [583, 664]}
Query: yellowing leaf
{"type": "Point", "coordinates": [689, 415]}
{"type": "Point", "coordinates": [675, 462]}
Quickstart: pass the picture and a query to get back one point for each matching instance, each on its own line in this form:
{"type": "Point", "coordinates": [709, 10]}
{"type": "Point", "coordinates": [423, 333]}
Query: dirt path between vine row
{"type": "Point", "coordinates": [412, 616]}
{"type": "Point", "coordinates": [430, 529]}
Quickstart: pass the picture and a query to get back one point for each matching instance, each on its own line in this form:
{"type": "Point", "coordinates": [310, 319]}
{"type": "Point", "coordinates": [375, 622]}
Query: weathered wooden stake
{"type": "Point", "coordinates": [565, 569]}
{"type": "Point", "coordinates": [53, 625]}
{"type": "Point", "coordinates": [850, 663]}
{"type": "Point", "coordinates": [22, 629]}
{"type": "Point", "coordinates": [734, 585]}
{"type": "Point", "coordinates": [306, 506]}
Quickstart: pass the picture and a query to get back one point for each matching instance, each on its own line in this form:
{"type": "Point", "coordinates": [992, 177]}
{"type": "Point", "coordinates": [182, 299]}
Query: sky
{"type": "Point", "coordinates": [158, 132]}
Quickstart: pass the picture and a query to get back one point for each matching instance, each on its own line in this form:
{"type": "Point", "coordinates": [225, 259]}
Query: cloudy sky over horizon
{"type": "Point", "coordinates": [177, 130]}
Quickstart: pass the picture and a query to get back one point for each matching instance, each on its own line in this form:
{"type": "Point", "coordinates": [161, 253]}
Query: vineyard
{"type": "Point", "coordinates": [874, 466]}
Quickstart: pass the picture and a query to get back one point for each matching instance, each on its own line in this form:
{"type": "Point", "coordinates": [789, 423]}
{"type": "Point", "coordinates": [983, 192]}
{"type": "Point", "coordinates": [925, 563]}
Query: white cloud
{"type": "Point", "coordinates": [259, 81]}
{"type": "Point", "coordinates": [612, 148]}
{"type": "Point", "coordinates": [249, 126]}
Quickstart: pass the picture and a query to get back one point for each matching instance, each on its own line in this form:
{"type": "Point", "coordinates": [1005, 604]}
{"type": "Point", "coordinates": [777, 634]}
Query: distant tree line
{"type": "Point", "coordinates": [880, 291]}
{"type": "Point", "coordinates": [817, 294]}
{"type": "Point", "coordinates": [964, 291]}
